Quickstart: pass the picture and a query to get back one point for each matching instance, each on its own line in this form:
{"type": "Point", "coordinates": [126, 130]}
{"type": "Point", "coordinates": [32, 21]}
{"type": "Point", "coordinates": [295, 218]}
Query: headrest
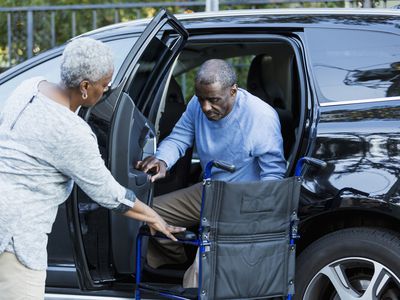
{"type": "Point", "coordinates": [263, 82]}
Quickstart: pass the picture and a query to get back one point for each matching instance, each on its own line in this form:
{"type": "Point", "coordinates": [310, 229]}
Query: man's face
{"type": "Point", "coordinates": [216, 101]}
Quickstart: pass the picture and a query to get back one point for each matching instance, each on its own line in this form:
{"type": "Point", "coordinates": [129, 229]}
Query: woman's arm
{"type": "Point", "coordinates": [77, 156]}
{"type": "Point", "coordinates": [142, 212]}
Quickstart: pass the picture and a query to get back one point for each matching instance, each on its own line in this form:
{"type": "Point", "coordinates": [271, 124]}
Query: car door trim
{"type": "Point", "coordinates": [360, 101]}
{"type": "Point", "coordinates": [80, 297]}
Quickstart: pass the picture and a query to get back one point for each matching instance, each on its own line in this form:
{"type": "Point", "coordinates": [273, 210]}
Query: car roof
{"type": "Point", "coordinates": [372, 19]}
{"type": "Point", "coordinates": [381, 19]}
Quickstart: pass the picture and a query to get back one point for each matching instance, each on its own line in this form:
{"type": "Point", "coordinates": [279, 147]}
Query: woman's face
{"type": "Point", "coordinates": [95, 90]}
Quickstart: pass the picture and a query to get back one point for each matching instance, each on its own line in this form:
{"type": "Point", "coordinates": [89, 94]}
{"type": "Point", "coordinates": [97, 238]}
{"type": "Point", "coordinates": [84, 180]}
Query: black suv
{"type": "Point", "coordinates": [333, 76]}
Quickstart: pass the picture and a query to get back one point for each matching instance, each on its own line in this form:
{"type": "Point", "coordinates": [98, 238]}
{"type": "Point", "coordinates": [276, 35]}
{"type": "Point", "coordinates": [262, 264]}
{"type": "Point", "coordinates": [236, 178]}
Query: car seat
{"type": "Point", "coordinates": [270, 79]}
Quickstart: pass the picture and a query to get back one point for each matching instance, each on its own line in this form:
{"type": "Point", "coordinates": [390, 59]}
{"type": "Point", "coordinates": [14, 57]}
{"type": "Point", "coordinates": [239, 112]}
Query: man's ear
{"type": "Point", "coordinates": [83, 86]}
{"type": "Point", "coordinates": [234, 89]}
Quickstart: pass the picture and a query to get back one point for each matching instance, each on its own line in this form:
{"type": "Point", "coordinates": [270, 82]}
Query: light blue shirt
{"type": "Point", "coordinates": [248, 137]}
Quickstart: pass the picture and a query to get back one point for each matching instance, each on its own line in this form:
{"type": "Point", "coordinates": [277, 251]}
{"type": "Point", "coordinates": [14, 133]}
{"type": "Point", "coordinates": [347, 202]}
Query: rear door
{"type": "Point", "coordinates": [104, 242]}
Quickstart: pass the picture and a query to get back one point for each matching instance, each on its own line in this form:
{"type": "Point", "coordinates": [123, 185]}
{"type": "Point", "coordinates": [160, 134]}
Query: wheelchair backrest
{"type": "Point", "coordinates": [246, 232]}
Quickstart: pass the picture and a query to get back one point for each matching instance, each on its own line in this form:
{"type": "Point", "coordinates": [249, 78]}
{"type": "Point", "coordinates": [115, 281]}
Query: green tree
{"type": "Point", "coordinates": [63, 29]}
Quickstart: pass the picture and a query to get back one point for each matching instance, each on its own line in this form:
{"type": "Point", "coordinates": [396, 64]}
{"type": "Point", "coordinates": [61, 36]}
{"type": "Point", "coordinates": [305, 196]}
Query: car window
{"type": "Point", "coordinates": [148, 69]}
{"type": "Point", "coordinates": [50, 69]}
{"type": "Point", "coordinates": [354, 64]}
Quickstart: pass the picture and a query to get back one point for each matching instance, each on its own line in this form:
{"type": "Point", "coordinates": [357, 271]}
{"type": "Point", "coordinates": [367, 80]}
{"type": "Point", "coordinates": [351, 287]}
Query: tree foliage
{"type": "Point", "coordinates": [44, 37]}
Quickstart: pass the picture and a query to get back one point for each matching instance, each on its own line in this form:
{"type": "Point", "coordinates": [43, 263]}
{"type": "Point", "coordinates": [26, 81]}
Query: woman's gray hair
{"type": "Point", "coordinates": [85, 58]}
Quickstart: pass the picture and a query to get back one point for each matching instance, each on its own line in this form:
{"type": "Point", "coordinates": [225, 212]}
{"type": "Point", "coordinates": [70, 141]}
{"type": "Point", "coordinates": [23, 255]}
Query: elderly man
{"type": "Point", "coordinates": [226, 123]}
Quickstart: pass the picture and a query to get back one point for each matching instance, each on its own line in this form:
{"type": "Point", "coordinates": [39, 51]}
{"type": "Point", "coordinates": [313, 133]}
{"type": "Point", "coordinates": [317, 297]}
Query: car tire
{"type": "Point", "coordinates": [353, 263]}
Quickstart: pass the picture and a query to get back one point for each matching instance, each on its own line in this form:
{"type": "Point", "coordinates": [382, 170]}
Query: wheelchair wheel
{"type": "Point", "coordinates": [351, 263]}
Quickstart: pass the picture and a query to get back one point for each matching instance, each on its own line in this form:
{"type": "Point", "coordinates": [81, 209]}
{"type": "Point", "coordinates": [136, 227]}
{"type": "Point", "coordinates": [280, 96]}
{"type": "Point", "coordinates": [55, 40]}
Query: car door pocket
{"type": "Point", "coordinates": [147, 141]}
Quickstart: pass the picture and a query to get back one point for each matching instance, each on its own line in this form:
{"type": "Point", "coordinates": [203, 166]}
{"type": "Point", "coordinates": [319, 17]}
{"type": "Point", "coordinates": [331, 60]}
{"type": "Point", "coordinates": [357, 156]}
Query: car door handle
{"type": "Point", "coordinates": [142, 178]}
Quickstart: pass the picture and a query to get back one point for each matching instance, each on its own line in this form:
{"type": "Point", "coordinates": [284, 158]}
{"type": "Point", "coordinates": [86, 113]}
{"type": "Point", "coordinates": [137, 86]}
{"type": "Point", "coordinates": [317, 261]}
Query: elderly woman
{"type": "Point", "coordinates": [44, 148]}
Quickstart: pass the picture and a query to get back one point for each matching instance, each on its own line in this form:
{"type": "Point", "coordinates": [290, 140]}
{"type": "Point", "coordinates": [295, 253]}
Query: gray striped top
{"type": "Point", "coordinates": [44, 148]}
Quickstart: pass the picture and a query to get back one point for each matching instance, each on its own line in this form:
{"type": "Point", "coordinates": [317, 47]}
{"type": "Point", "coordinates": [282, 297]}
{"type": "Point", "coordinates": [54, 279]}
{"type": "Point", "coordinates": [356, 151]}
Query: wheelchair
{"type": "Point", "coordinates": [246, 239]}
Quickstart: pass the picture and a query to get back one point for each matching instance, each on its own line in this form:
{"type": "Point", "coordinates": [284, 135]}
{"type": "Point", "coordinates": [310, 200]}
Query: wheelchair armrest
{"type": "Point", "coordinates": [183, 236]}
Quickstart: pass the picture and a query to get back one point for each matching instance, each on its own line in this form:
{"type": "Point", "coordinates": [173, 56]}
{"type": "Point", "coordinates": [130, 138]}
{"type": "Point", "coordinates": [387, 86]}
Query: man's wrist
{"type": "Point", "coordinates": [165, 164]}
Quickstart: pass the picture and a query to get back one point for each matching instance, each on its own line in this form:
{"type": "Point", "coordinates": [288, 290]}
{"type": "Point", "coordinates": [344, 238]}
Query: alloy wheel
{"type": "Point", "coordinates": [354, 278]}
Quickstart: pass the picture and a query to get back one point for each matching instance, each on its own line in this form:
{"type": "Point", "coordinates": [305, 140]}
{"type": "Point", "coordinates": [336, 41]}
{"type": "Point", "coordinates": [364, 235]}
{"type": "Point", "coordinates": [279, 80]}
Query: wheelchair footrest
{"type": "Point", "coordinates": [170, 289]}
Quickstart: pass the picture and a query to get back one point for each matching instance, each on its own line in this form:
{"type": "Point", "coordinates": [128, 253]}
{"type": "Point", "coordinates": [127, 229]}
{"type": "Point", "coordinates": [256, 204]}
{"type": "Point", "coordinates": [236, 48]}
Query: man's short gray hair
{"type": "Point", "coordinates": [85, 58]}
{"type": "Point", "coordinates": [216, 70]}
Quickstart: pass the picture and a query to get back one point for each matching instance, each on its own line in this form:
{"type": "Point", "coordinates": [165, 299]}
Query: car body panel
{"type": "Point", "coordinates": [360, 142]}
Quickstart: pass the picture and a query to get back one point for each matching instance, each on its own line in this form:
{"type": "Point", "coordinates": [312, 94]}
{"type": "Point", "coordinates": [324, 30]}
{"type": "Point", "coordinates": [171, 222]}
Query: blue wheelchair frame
{"type": "Point", "coordinates": [203, 242]}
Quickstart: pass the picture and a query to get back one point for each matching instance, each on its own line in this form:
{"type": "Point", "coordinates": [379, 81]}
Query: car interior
{"type": "Point", "coordinates": [266, 69]}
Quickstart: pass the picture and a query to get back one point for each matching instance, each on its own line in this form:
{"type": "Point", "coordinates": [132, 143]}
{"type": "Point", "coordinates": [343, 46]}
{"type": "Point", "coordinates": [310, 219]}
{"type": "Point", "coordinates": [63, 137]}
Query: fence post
{"type": "Point", "coordinates": [73, 23]}
{"type": "Point", "coordinates": [116, 16]}
{"type": "Point", "coordinates": [53, 28]}
{"type": "Point", "coordinates": [29, 32]}
{"type": "Point", "coordinates": [367, 4]}
{"type": "Point", "coordinates": [94, 19]}
{"type": "Point", "coordinates": [9, 39]}
{"type": "Point", "coordinates": [212, 5]}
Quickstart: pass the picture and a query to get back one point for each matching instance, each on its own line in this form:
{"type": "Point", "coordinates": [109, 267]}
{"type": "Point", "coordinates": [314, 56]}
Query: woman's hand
{"type": "Point", "coordinates": [160, 225]}
{"type": "Point", "coordinates": [142, 212]}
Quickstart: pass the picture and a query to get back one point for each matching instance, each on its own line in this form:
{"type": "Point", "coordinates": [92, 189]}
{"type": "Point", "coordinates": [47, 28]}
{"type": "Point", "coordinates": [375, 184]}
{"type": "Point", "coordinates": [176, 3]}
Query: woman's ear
{"type": "Point", "coordinates": [83, 87]}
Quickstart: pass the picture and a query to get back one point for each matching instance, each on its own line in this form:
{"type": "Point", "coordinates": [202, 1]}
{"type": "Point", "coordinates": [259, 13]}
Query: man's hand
{"type": "Point", "coordinates": [152, 164]}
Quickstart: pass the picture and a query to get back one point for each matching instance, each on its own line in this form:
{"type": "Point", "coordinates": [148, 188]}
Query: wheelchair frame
{"type": "Point", "coordinates": [202, 240]}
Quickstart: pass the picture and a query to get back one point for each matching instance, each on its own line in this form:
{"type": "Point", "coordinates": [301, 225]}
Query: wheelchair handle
{"type": "Point", "coordinates": [224, 166]}
{"type": "Point", "coordinates": [315, 162]}
{"type": "Point", "coordinates": [220, 165]}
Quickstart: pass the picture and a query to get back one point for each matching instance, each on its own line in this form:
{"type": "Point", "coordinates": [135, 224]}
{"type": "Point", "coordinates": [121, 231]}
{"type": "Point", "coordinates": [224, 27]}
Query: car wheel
{"type": "Point", "coordinates": [354, 263]}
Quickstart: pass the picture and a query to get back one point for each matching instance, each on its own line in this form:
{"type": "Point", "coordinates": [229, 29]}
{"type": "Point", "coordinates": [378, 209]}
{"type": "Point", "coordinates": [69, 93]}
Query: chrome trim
{"type": "Point", "coordinates": [195, 161]}
{"type": "Point", "coordinates": [83, 297]}
{"type": "Point", "coordinates": [289, 11]}
{"type": "Point", "coordinates": [397, 98]}
{"type": "Point", "coordinates": [62, 268]}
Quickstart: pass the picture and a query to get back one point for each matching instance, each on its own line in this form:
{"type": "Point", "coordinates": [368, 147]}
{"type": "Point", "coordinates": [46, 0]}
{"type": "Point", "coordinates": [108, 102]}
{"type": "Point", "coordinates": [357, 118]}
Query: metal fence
{"type": "Point", "coordinates": [27, 31]}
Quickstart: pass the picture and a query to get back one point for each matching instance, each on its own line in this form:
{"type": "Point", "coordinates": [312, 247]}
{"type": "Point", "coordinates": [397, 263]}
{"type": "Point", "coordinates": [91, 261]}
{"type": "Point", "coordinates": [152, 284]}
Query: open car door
{"type": "Point", "coordinates": [104, 242]}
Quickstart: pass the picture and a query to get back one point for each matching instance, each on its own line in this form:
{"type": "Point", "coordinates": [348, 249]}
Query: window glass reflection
{"type": "Point", "coordinates": [352, 65]}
